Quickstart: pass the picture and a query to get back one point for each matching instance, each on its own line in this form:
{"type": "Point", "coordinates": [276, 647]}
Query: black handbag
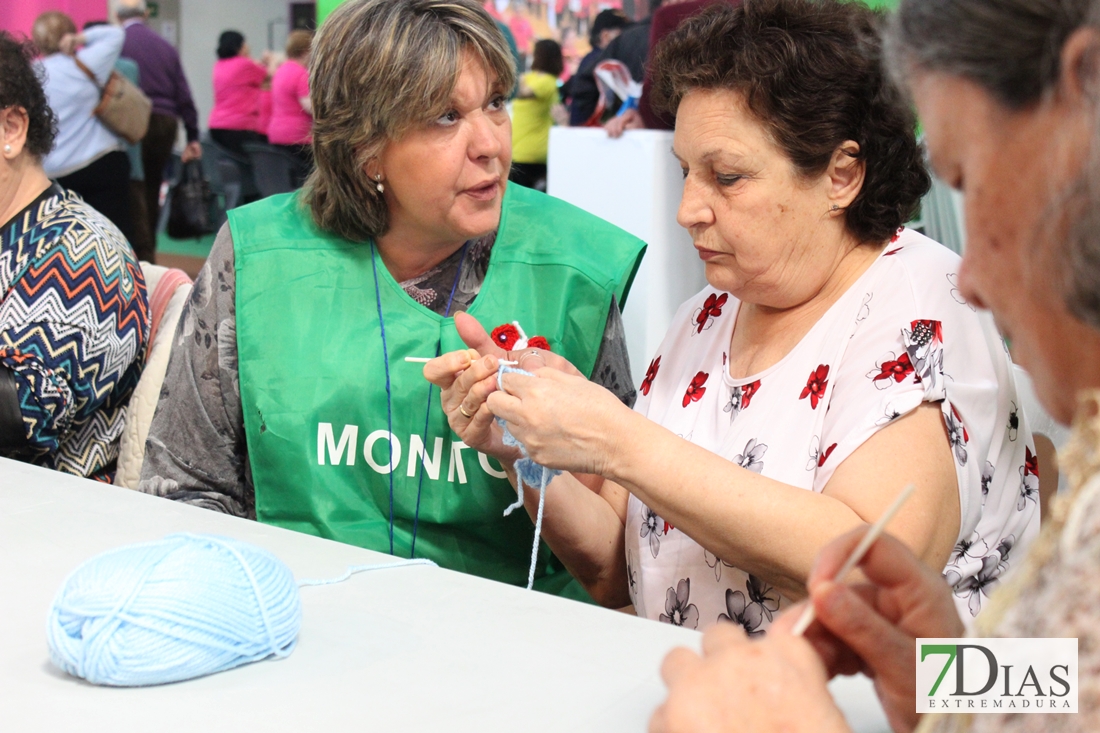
{"type": "Point", "coordinates": [191, 203]}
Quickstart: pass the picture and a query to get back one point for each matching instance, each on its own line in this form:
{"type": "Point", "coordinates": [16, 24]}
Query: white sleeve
{"type": "Point", "coordinates": [103, 46]}
{"type": "Point", "coordinates": [892, 364]}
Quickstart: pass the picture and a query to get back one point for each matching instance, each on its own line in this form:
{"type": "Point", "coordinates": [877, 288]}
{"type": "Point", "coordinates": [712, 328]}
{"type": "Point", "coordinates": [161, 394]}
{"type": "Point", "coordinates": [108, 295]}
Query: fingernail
{"type": "Point", "coordinates": [489, 362]}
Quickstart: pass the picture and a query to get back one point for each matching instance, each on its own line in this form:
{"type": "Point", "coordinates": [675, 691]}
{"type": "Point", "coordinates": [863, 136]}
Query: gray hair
{"type": "Point", "coordinates": [130, 9]}
{"type": "Point", "coordinates": [380, 68]}
{"type": "Point", "coordinates": [1012, 49]}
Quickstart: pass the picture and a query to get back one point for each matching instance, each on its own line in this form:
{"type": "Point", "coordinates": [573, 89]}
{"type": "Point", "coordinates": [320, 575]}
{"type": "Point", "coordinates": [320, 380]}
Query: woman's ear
{"type": "Point", "coordinates": [845, 175]}
{"type": "Point", "coordinates": [13, 131]}
{"type": "Point", "coordinates": [1080, 67]}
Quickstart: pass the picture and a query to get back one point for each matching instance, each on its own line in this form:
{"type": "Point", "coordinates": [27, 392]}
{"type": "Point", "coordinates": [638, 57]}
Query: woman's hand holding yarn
{"type": "Point", "coordinates": [465, 379]}
{"type": "Point", "coordinates": [564, 421]}
{"type": "Point", "coordinates": [474, 335]}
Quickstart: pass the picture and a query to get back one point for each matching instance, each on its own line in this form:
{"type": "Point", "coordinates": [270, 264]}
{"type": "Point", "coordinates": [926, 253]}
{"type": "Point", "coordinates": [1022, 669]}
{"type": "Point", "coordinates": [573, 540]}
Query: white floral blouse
{"type": "Point", "coordinates": [902, 335]}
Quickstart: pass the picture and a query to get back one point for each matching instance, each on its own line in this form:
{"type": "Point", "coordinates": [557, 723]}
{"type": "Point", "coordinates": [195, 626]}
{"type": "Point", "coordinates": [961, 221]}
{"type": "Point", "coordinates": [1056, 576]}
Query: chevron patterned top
{"type": "Point", "coordinates": [74, 322]}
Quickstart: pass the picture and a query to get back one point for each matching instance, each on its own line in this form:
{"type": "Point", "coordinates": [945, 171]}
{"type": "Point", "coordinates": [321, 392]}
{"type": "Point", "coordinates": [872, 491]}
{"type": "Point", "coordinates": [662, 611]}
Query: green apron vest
{"type": "Point", "coordinates": [313, 386]}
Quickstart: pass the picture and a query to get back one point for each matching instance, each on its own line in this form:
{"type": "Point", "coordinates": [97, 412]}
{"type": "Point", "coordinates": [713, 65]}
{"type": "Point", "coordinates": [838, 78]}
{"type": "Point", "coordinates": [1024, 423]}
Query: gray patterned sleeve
{"type": "Point", "coordinates": [196, 450]}
{"type": "Point", "coordinates": [612, 369]}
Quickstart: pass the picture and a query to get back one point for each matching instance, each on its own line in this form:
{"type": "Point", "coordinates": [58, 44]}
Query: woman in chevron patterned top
{"type": "Point", "coordinates": [74, 314]}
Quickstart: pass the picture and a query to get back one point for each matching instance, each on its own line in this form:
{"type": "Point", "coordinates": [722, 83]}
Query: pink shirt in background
{"type": "Point", "coordinates": [237, 83]}
{"type": "Point", "coordinates": [265, 112]}
{"type": "Point", "coordinates": [290, 124]}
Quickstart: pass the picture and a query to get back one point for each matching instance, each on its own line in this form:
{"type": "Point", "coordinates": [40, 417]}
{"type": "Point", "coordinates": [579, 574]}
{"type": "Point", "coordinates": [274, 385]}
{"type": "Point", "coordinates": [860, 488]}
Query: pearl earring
{"type": "Point", "coordinates": [7, 150]}
{"type": "Point", "coordinates": [378, 183]}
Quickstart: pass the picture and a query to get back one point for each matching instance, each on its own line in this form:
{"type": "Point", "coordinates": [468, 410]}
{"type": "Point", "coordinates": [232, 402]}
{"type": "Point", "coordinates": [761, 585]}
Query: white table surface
{"type": "Point", "coordinates": [408, 649]}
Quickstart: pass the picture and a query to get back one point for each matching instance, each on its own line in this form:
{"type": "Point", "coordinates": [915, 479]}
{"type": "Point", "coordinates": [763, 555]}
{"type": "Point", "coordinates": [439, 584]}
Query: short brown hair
{"type": "Point", "coordinates": [49, 28]}
{"type": "Point", "coordinates": [380, 68]}
{"type": "Point", "coordinates": [811, 72]}
{"type": "Point", "coordinates": [298, 43]}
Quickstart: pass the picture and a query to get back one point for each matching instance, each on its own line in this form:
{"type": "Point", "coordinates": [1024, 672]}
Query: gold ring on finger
{"type": "Point", "coordinates": [465, 414]}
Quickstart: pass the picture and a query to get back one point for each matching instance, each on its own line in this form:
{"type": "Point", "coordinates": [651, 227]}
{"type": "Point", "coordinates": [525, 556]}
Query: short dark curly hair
{"type": "Point", "coordinates": [20, 86]}
{"type": "Point", "coordinates": [811, 72]}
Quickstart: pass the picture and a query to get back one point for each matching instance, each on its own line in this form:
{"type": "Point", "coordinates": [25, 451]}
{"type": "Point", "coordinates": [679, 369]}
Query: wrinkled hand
{"type": "Point", "coordinates": [629, 120]}
{"type": "Point", "coordinates": [776, 683]}
{"type": "Point", "coordinates": [872, 627]}
{"type": "Point", "coordinates": [474, 335]}
{"type": "Point", "coordinates": [193, 151]}
{"type": "Point", "coordinates": [564, 421]}
{"type": "Point", "coordinates": [465, 379]}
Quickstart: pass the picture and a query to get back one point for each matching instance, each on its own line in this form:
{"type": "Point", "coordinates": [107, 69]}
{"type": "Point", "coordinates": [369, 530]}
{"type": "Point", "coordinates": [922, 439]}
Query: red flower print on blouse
{"type": "Point", "coordinates": [815, 385]}
{"type": "Point", "coordinates": [1031, 463]}
{"type": "Point", "coordinates": [897, 235]}
{"type": "Point", "coordinates": [825, 455]}
{"type": "Point", "coordinates": [897, 369]}
{"type": "Point", "coordinates": [668, 527]}
{"type": "Point", "coordinates": [696, 390]}
{"type": "Point", "coordinates": [650, 375]}
{"type": "Point", "coordinates": [892, 252]}
{"type": "Point", "coordinates": [926, 332]}
{"type": "Point", "coordinates": [712, 308]}
{"type": "Point", "coordinates": [747, 392]}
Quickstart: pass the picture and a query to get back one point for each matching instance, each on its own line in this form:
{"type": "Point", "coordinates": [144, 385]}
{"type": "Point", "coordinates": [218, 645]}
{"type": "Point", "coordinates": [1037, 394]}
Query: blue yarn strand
{"type": "Point", "coordinates": [354, 569]}
{"type": "Point", "coordinates": [527, 472]}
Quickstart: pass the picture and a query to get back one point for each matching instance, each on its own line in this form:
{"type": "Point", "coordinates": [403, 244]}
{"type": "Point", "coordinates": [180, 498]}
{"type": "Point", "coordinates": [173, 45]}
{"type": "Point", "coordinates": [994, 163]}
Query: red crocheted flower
{"type": "Point", "coordinates": [650, 375]}
{"type": "Point", "coordinates": [696, 390]}
{"type": "Point", "coordinates": [747, 392]}
{"type": "Point", "coordinates": [505, 336]}
{"type": "Point", "coordinates": [897, 370]}
{"type": "Point", "coordinates": [815, 385]}
{"type": "Point", "coordinates": [538, 342]}
{"type": "Point", "coordinates": [712, 308]}
{"type": "Point", "coordinates": [1031, 463]}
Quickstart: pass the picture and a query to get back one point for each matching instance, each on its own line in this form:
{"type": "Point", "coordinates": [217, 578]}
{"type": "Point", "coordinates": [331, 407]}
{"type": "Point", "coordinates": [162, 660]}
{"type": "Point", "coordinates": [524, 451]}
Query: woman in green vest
{"type": "Point", "coordinates": [288, 398]}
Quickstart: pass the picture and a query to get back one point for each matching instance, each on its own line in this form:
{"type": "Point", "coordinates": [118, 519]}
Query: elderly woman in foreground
{"type": "Point", "coordinates": [831, 361]}
{"type": "Point", "coordinates": [1006, 92]}
{"type": "Point", "coordinates": [288, 398]}
{"type": "Point", "coordinates": [73, 315]}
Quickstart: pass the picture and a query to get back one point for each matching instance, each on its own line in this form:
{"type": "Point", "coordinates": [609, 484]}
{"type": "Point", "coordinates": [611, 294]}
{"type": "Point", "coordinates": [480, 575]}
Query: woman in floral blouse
{"type": "Point", "coordinates": [831, 360]}
{"type": "Point", "coordinates": [1006, 92]}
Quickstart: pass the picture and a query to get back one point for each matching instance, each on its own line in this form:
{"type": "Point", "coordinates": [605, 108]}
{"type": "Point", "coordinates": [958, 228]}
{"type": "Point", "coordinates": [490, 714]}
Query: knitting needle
{"type": "Point", "coordinates": [807, 617]}
{"type": "Point", "coordinates": [426, 359]}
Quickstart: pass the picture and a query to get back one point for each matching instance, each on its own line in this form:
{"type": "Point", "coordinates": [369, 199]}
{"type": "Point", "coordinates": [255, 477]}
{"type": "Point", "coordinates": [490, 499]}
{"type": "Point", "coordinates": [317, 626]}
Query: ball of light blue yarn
{"type": "Point", "coordinates": [164, 611]}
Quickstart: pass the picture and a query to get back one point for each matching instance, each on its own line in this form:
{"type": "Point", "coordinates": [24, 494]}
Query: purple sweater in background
{"type": "Point", "coordinates": [162, 77]}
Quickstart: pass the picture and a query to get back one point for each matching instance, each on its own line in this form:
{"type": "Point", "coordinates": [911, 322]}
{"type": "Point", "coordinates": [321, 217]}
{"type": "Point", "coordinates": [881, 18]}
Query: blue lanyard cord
{"type": "Point", "coordinates": [386, 363]}
{"type": "Point", "coordinates": [428, 412]}
{"type": "Point", "coordinates": [389, 393]}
